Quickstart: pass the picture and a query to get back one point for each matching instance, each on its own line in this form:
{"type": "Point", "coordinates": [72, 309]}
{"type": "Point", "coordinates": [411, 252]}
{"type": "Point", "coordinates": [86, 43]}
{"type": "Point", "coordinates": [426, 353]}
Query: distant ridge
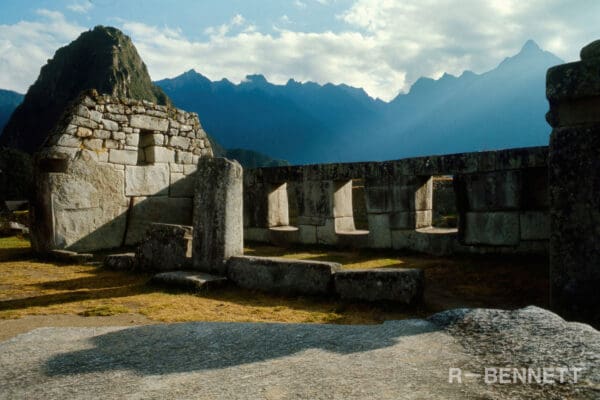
{"type": "Point", "coordinates": [312, 123]}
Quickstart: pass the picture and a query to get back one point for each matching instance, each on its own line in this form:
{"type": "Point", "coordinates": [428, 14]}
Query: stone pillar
{"type": "Point", "coordinates": [218, 214]}
{"type": "Point", "coordinates": [573, 91]}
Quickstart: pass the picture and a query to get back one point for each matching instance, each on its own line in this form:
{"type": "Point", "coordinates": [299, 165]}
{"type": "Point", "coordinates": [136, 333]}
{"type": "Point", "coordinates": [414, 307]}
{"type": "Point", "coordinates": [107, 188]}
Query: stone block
{"type": "Point", "coordinates": [120, 262]}
{"type": "Point", "coordinates": [390, 284]}
{"type": "Point", "coordinates": [179, 142]}
{"type": "Point", "coordinates": [147, 180]}
{"type": "Point", "coordinates": [282, 275]}
{"type": "Point", "coordinates": [326, 234]}
{"type": "Point", "coordinates": [83, 132]}
{"type": "Point", "coordinates": [133, 139]}
{"type": "Point", "coordinates": [492, 228]}
{"type": "Point", "coordinates": [410, 219]}
{"type": "Point", "coordinates": [535, 225]}
{"type": "Point", "coordinates": [433, 241]}
{"type": "Point", "coordinates": [342, 199]}
{"type": "Point", "coordinates": [493, 191]}
{"type": "Point", "coordinates": [152, 139]}
{"type": "Point", "coordinates": [69, 141]}
{"type": "Point", "coordinates": [218, 214]}
{"type": "Point", "coordinates": [102, 134]}
{"type": "Point", "coordinates": [307, 234]}
{"type": "Point", "coordinates": [149, 123]}
{"type": "Point", "coordinates": [93, 144]}
{"type": "Point", "coordinates": [159, 154]}
{"type": "Point", "coordinates": [148, 210]}
{"type": "Point", "coordinates": [126, 157]}
{"type": "Point", "coordinates": [181, 185]}
{"type": "Point", "coordinates": [165, 247]}
{"type": "Point", "coordinates": [257, 235]}
{"type": "Point", "coordinates": [378, 199]}
{"type": "Point", "coordinates": [184, 157]}
{"type": "Point", "coordinates": [380, 235]}
{"type": "Point", "coordinates": [189, 280]}
{"type": "Point", "coordinates": [318, 199]}
{"type": "Point", "coordinates": [110, 125]}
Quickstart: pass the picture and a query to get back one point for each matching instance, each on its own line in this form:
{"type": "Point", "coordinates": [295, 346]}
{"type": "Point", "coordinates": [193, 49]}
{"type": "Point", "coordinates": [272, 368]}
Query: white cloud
{"type": "Point", "coordinates": [81, 7]}
{"type": "Point", "coordinates": [385, 45]}
{"type": "Point", "coordinates": [26, 46]}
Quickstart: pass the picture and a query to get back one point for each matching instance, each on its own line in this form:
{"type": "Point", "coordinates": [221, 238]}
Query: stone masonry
{"type": "Point", "coordinates": [110, 168]}
{"type": "Point", "coordinates": [573, 91]}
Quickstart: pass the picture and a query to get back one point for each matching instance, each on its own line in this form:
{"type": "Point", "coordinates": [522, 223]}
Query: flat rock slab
{"type": "Point", "coordinates": [69, 257]}
{"type": "Point", "coordinates": [385, 284]}
{"type": "Point", "coordinates": [193, 280]}
{"type": "Point", "coordinates": [407, 359]}
{"type": "Point", "coordinates": [282, 275]}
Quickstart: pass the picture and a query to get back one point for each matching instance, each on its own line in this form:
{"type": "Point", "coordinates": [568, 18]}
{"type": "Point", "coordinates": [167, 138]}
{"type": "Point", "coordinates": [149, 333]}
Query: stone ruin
{"type": "Point", "coordinates": [113, 167]}
{"type": "Point", "coordinates": [110, 168]}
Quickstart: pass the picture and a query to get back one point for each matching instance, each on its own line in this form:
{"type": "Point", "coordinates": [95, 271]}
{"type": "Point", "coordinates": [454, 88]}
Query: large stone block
{"type": "Point", "coordinates": [149, 123]}
{"type": "Point", "coordinates": [83, 208]}
{"type": "Point", "coordinates": [182, 185]}
{"type": "Point", "coordinates": [492, 228]}
{"type": "Point", "coordinates": [218, 214]}
{"type": "Point", "coordinates": [282, 275]}
{"type": "Point", "coordinates": [165, 248]}
{"type": "Point", "coordinates": [318, 199]}
{"type": "Point", "coordinates": [147, 180]}
{"type": "Point", "coordinates": [493, 191]}
{"type": "Point", "coordinates": [390, 284]}
{"type": "Point", "coordinates": [127, 157]}
{"type": "Point", "coordinates": [159, 154]}
{"type": "Point", "coordinates": [158, 209]}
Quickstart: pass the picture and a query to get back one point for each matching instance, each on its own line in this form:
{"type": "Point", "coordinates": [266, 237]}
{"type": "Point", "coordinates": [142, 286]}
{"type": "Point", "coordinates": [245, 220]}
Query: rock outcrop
{"type": "Point", "coordinates": [104, 59]}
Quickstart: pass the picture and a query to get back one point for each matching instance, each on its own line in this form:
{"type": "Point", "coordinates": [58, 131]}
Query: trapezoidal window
{"type": "Point", "coordinates": [279, 208]}
{"type": "Point", "coordinates": [145, 146]}
{"type": "Point", "coordinates": [444, 209]}
{"type": "Point", "coordinates": [344, 207]}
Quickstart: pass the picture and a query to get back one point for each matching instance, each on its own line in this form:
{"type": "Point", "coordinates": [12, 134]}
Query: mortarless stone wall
{"type": "Point", "coordinates": [111, 167]}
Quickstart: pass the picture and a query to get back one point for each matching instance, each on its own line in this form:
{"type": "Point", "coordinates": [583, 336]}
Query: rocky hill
{"type": "Point", "coordinates": [104, 59]}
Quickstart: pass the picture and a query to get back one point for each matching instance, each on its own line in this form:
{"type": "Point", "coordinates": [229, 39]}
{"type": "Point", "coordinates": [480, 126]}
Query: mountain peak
{"type": "Point", "coordinates": [256, 79]}
{"type": "Point", "coordinates": [530, 46]}
{"type": "Point", "coordinates": [104, 59]}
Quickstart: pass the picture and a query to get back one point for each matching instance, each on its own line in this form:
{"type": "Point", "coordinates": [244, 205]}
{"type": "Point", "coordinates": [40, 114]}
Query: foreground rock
{"type": "Point", "coordinates": [189, 280]}
{"type": "Point", "coordinates": [407, 359]}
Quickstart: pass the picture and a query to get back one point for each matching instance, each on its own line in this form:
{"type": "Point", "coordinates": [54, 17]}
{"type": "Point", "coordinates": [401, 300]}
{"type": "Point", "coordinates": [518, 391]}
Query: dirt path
{"type": "Point", "coordinates": [12, 327]}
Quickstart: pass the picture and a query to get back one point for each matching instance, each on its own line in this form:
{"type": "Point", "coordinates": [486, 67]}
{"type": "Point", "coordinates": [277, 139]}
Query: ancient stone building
{"type": "Point", "coordinates": [111, 167]}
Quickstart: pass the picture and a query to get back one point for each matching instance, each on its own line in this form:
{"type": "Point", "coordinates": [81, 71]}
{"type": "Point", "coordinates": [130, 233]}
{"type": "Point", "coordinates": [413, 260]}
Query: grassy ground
{"type": "Point", "coordinates": [29, 286]}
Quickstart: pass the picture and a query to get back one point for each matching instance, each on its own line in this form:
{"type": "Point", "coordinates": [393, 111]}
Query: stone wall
{"type": "Point", "coordinates": [573, 91]}
{"type": "Point", "coordinates": [110, 168]}
{"type": "Point", "coordinates": [501, 202]}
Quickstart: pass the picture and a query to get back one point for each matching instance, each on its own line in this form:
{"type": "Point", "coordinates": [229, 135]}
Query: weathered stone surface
{"type": "Point", "coordinates": [191, 280]}
{"type": "Point", "coordinates": [381, 284]}
{"type": "Point", "coordinates": [492, 228]}
{"type": "Point", "coordinates": [82, 209]}
{"type": "Point", "coordinates": [182, 185]}
{"type": "Point", "coordinates": [120, 262]}
{"type": "Point", "coordinates": [165, 247]}
{"type": "Point", "coordinates": [218, 214]}
{"type": "Point", "coordinates": [428, 240]}
{"type": "Point", "coordinates": [159, 154]}
{"type": "Point", "coordinates": [304, 361]}
{"type": "Point", "coordinates": [149, 123]}
{"type": "Point", "coordinates": [282, 275]}
{"type": "Point", "coordinates": [158, 209]}
{"type": "Point", "coordinates": [149, 180]}
{"type": "Point", "coordinates": [591, 51]}
{"type": "Point", "coordinates": [380, 235]}
{"type": "Point", "coordinates": [127, 157]}
{"type": "Point", "coordinates": [69, 257]}
{"type": "Point", "coordinates": [534, 225]}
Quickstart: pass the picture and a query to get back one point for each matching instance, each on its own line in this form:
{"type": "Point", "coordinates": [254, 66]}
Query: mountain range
{"type": "Point", "coordinates": [312, 123]}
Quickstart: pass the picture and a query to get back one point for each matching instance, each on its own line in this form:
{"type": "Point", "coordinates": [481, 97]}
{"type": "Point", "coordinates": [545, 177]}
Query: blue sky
{"type": "Point", "coordinates": [382, 46]}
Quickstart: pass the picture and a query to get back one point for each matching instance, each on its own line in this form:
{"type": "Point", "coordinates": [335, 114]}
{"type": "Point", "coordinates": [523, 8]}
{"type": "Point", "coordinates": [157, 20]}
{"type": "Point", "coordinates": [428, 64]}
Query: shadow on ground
{"type": "Point", "coordinates": [174, 348]}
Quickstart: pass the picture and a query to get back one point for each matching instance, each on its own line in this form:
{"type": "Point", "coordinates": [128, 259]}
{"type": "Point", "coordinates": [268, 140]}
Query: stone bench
{"type": "Point", "coordinates": [282, 275]}
{"type": "Point", "coordinates": [380, 284]}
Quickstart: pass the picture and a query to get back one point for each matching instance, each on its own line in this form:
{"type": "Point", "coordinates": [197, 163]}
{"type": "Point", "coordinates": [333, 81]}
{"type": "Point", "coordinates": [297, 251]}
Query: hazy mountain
{"type": "Point", "coordinates": [104, 59]}
{"type": "Point", "coordinates": [299, 122]}
{"type": "Point", "coordinates": [9, 100]}
{"type": "Point", "coordinates": [307, 122]}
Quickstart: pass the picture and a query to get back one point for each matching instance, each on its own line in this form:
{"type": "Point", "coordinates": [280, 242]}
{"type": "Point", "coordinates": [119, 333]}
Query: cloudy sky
{"type": "Point", "coordinates": [382, 46]}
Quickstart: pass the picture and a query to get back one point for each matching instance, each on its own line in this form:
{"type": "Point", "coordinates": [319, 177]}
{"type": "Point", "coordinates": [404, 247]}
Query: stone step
{"type": "Point", "coordinates": [120, 262]}
{"type": "Point", "coordinates": [69, 257]}
{"type": "Point", "coordinates": [381, 284]}
{"type": "Point", "coordinates": [190, 280]}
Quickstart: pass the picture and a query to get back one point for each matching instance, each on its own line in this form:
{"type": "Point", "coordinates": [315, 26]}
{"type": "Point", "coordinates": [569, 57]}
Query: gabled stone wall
{"type": "Point", "coordinates": [110, 168]}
